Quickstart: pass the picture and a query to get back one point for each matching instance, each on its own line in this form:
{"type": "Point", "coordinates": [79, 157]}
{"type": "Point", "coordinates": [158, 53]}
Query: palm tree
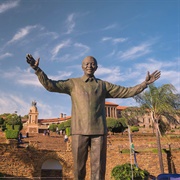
{"type": "Point", "coordinates": [161, 102]}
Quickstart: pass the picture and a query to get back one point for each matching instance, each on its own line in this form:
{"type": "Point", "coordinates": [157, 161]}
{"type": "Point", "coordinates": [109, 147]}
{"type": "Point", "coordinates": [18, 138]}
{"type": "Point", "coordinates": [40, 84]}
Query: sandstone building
{"type": "Point", "coordinates": [35, 125]}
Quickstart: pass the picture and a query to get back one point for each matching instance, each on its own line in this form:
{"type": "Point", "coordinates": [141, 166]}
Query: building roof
{"type": "Point", "coordinates": [111, 104]}
{"type": "Point", "coordinates": [121, 107]}
{"type": "Point", "coordinates": [51, 120]}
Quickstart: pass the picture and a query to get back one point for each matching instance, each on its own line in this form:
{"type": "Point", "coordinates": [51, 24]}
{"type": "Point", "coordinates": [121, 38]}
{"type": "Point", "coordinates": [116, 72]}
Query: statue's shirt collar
{"type": "Point", "coordinates": [86, 78]}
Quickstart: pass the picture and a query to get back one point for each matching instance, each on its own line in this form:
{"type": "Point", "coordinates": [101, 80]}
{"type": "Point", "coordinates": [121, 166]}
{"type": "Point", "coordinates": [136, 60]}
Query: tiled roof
{"type": "Point", "coordinates": [50, 120]}
{"type": "Point", "coordinates": [111, 104]}
{"type": "Point", "coordinates": [54, 119]}
{"type": "Point", "coordinates": [121, 107]}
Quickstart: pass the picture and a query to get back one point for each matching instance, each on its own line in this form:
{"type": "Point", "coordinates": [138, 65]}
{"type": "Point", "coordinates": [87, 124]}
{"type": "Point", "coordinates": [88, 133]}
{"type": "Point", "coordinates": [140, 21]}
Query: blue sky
{"type": "Point", "coordinates": [127, 37]}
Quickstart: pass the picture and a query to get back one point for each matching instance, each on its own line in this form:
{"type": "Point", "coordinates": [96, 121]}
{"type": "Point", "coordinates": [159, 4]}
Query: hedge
{"type": "Point", "coordinates": [124, 172]}
{"type": "Point", "coordinates": [11, 134]}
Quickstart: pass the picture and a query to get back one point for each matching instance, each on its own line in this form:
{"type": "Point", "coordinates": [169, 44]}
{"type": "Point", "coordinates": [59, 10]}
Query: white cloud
{"type": "Point", "coordinates": [169, 71]}
{"type": "Point", "coordinates": [58, 47]}
{"type": "Point", "coordinates": [111, 74]}
{"type": "Point", "coordinates": [111, 54]}
{"type": "Point", "coordinates": [8, 5]}
{"type": "Point", "coordinates": [5, 55]}
{"type": "Point", "coordinates": [111, 26]}
{"type": "Point", "coordinates": [45, 110]}
{"type": "Point", "coordinates": [23, 77]}
{"type": "Point", "coordinates": [114, 40]}
{"type": "Point", "coordinates": [106, 38]}
{"type": "Point", "coordinates": [78, 50]}
{"type": "Point", "coordinates": [70, 23]}
{"type": "Point", "coordinates": [149, 65]}
{"type": "Point", "coordinates": [173, 77]}
{"type": "Point", "coordinates": [135, 52]}
{"type": "Point", "coordinates": [137, 74]}
{"type": "Point", "coordinates": [21, 33]}
{"type": "Point", "coordinates": [53, 35]}
{"type": "Point", "coordinates": [153, 64]}
{"type": "Point", "coordinates": [27, 77]}
{"type": "Point", "coordinates": [61, 75]}
{"type": "Point", "coordinates": [119, 40]}
{"type": "Point", "coordinates": [83, 49]}
{"type": "Point", "coordinates": [10, 103]}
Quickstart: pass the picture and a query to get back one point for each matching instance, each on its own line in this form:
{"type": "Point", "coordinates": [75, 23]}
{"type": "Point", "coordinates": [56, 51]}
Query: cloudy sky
{"type": "Point", "coordinates": [127, 37]}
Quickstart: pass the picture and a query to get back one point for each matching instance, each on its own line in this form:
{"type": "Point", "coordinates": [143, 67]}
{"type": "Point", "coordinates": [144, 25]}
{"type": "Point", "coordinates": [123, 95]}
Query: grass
{"type": "Point", "coordinates": [154, 150]}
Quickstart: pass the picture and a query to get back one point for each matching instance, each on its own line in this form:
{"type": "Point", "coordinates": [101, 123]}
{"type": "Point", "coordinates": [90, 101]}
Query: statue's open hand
{"type": "Point", "coordinates": [150, 78]}
{"type": "Point", "coordinates": [30, 60]}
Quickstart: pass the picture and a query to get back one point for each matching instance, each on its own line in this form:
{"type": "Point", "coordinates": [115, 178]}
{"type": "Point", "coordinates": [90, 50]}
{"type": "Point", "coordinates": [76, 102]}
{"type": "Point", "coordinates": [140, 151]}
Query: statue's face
{"type": "Point", "coordinates": [89, 66]}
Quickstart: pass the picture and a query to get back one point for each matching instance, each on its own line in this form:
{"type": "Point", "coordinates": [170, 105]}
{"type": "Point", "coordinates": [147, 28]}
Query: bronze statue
{"type": "Point", "coordinates": [88, 123]}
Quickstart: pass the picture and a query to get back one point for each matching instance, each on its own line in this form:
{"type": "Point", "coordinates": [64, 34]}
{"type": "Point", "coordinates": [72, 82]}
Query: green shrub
{"type": "Point", "coordinates": [11, 134]}
{"type": "Point", "coordinates": [1, 120]}
{"type": "Point", "coordinates": [125, 151]}
{"type": "Point", "coordinates": [9, 127]}
{"type": "Point", "coordinates": [53, 127]}
{"type": "Point", "coordinates": [68, 131]}
{"type": "Point", "coordinates": [3, 127]}
{"type": "Point", "coordinates": [17, 127]}
{"type": "Point", "coordinates": [61, 126]}
{"type": "Point", "coordinates": [134, 128]}
{"type": "Point", "coordinates": [156, 150]}
{"type": "Point", "coordinates": [123, 172]}
{"type": "Point", "coordinates": [67, 123]}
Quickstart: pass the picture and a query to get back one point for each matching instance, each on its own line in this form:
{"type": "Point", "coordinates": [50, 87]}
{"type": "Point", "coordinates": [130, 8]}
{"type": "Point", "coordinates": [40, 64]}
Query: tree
{"type": "Point", "coordinates": [1, 120]}
{"type": "Point", "coordinates": [14, 119]}
{"type": "Point", "coordinates": [53, 127]}
{"type": "Point", "coordinates": [131, 115]}
{"type": "Point", "coordinates": [67, 126]}
{"type": "Point", "coordinates": [5, 115]}
{"type": "Point", "coordinates": [25, 116]}
{"type": "Point", "coordinates": [111, 123]}
{"type": "Point", "coordinates": [134, 129]}
{"type": "Point", "coordinates": [61, 126]}
{"type": "Point", "coordinates": [162, 103]}
{"type": "Point", "coordinates": [114, 125]}
{"type": "Point", "coordinates": [67, 123]}
{"type": "Point", "coordinates": [2, 126]}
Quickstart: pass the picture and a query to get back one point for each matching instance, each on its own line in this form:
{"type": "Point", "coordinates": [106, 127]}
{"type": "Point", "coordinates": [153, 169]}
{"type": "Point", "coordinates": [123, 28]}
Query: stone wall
{"type": "Point", "coordinates": [27, 162]}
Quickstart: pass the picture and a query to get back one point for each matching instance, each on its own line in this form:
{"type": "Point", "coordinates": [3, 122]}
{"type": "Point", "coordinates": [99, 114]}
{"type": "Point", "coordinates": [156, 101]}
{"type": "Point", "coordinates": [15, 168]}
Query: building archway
{"type": "Point", "coordinates": [51, 168]}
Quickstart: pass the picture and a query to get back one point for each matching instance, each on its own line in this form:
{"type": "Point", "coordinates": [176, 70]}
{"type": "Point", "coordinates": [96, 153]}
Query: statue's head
{"type": "Point", "coordinates": [89, 65]}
